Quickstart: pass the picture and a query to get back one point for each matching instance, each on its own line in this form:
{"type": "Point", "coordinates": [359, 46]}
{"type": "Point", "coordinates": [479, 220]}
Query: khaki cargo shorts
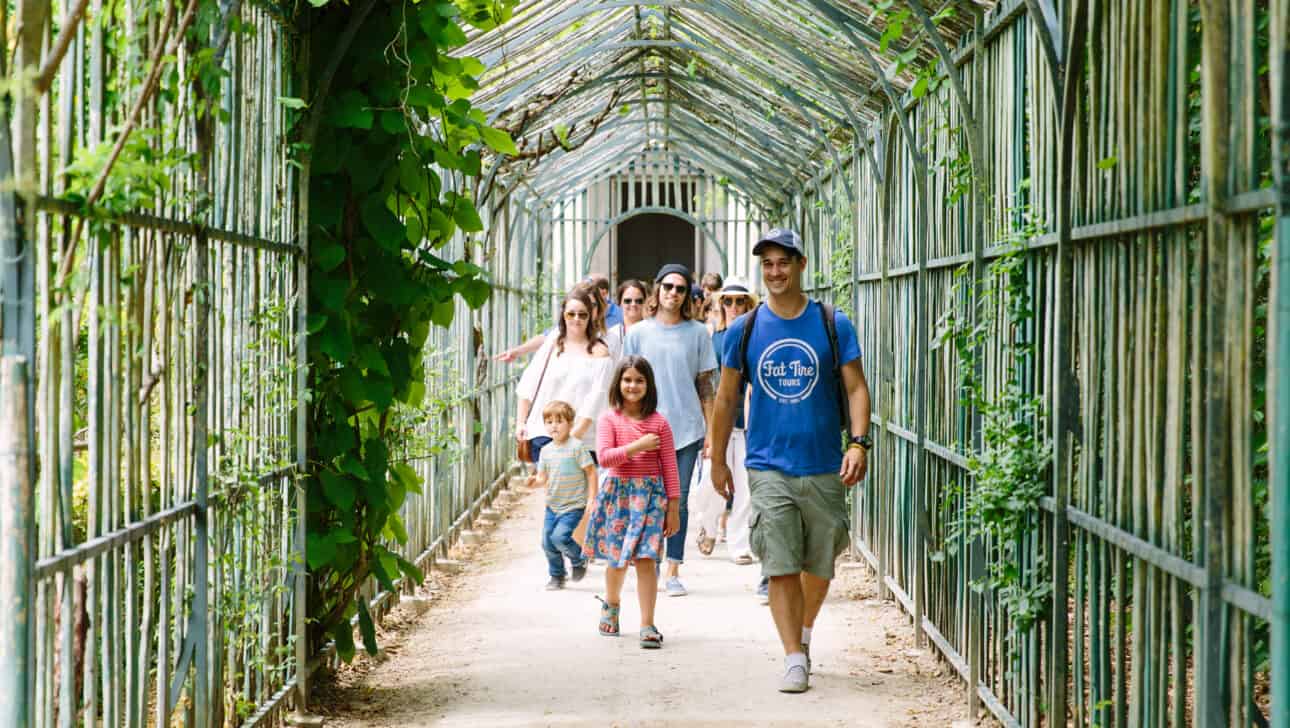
{"type": "Point", "coordinates": [798, 524]}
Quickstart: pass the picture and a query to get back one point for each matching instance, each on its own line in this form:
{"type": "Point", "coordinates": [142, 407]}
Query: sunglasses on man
{"type": "Point", "coordinates": [669, 287]}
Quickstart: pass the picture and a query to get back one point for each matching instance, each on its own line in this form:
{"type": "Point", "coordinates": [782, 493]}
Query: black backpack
{"type": "Point", "coordinates": [831, 330]}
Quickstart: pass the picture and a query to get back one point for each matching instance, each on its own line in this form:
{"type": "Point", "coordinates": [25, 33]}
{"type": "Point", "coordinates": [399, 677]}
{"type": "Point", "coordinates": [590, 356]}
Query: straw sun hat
{"type": "Point", "coordinates": [736, 287]}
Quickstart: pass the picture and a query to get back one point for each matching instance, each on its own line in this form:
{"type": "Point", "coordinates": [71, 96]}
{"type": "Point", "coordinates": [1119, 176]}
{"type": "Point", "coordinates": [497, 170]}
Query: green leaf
{"type": "Point", "coordinates": [365, 626]}
{"type": "Point", "coordinates": [315, 323]}
{"type": "Point", "coordinates": [408, 475]}
{"type": "Point", "coordinates": [441, 226]}
{"type": "Point", "coordinates": [343, 634]}
{"type": "Point", "coordinates": [383, 226]}
{"type": "Point", "coordinates": [369, 357]}
{"type": "Point", "coordinates": [320, 549]}
{"type": "Point", "coordinates": [1108, 162]}
{"type": "Point", "coordinates": [498, 140]}
{"type": "Point", "coordinates": [351, 111]}
{"type": "Point", "coordinates": [920, 87]}
{"type": "Point", "coordinates": [292, 102]}
{"type": "Point", "coordinates": [354, 467]}
{"type": "Point", "coordinates": [335, 341]}
{"type": "Point", "coordinates": [339, 491]}
{"type": "Point", "coordinates": [327, 256]}
{"type": "Point", "coordinates": [443, 313]}
{"type": "Point", "coordinates": [410, 570]}
{"type": "Point", "coordinates": [395, 529]}
{"type": "Point", "coordinates": [475, 292]}
{"type": "Point", "coordinates": [352, 387]}
{"type": "Point", "coordinates": [465, 215]}
{"type": "Point", "coordinates": [384, 576]}
{"type": "Point", "coordinates": [562, 134]}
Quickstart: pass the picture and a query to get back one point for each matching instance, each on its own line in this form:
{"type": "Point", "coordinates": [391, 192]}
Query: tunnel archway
{"type": "Point", "coordinates": [646, 242]}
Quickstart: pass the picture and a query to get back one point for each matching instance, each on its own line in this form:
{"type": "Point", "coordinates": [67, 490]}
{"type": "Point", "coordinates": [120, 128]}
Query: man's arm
{"type": "Point", "coordinates": [706, 384]}
{"type": "Point", "coordinates": [721, 423]}
{"type": "Point", "coordinates": [856, 462]}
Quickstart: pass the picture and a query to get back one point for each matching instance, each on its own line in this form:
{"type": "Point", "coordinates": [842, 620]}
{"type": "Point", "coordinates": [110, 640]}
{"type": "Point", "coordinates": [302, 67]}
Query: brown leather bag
{"type": "Point", "coordinates": [523, 450]}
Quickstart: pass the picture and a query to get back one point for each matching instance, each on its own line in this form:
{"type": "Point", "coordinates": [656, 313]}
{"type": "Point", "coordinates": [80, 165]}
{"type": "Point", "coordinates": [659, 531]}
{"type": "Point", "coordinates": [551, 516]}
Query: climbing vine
{"type": "Point", "coordinates": [389, 140]}
{"type": "Point", "coordinates": [1009, 471]}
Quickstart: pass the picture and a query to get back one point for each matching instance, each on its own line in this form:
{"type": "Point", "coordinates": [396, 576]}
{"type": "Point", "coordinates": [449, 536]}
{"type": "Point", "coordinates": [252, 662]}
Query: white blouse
{"type": "Point", "coordinates": [580, 379]}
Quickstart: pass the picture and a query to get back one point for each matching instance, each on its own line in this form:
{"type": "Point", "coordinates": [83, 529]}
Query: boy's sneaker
{"type": "Point", "coordinates": [556, 583]}
{"type": "Point", "coordinates": [763, 591]}
{"type": "Point", "coordinates": [577, 572]}
{"type": "Point", "coordinates": [795, 680]}
{"type": "Point", "coordinates": [675, 588]}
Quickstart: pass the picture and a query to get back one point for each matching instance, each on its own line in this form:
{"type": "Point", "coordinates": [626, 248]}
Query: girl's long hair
{"type": "Point", "coordinates": [583, 295]}
{"type": "Point", "coordinates": [649, 404]}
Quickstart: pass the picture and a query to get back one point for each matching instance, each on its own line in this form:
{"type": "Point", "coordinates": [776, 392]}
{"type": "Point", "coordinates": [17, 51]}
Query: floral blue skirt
{"type": "Point", "coordinates": [627, 521]}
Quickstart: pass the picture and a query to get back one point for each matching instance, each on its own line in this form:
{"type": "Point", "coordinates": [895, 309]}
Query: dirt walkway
{"type": "Point", "coordinates": [495, 649]}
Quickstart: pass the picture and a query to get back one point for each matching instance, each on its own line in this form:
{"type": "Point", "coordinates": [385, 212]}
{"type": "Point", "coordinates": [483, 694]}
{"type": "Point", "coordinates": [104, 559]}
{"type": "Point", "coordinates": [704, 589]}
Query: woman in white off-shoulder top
{"type": "Point", "coordinates": [574, 367]}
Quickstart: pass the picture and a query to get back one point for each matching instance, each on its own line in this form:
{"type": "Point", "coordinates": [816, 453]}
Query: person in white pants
{"type": "Point", "coordinates": [735, 300]}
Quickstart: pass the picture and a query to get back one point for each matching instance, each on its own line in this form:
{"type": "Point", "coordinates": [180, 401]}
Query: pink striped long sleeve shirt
{"type": "Point", "coordinates": [616, 431]}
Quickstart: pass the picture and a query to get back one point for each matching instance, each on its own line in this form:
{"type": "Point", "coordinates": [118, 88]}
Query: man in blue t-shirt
{"type": "Point", "coordinates": [798, 471]}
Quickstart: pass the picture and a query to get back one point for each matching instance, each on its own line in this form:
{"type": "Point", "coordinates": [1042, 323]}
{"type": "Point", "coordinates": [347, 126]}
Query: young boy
{"type": "Point", "coordinates": [569, 476]}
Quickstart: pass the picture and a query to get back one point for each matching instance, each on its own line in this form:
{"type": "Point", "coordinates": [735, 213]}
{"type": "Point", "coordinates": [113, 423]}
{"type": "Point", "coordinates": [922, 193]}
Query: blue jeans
{"type": "Point", "coordinates": [686, 457]}
{"type": "Point", "coordinates": [557, 541]}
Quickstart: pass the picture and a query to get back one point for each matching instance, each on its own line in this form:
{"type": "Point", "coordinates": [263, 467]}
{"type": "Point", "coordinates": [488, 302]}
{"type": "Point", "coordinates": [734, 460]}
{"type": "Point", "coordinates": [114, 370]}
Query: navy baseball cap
{"type": "Point", "coordinates": [784, 238]}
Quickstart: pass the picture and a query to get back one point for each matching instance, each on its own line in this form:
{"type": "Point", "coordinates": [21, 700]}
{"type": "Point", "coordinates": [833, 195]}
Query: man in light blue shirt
{"type": "Point", "coordinates": [685, 370]}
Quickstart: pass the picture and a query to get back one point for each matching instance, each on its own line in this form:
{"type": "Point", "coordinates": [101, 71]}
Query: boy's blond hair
{"type": "Point", "coordinates": [560, 410]}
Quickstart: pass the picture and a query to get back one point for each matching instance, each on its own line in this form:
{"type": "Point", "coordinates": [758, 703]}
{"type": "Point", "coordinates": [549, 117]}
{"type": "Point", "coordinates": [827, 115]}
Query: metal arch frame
{"type": "Point", "coordinates": [679, 84]}
{"type": "Point", "coordinates": [728, 14]}
{"type": "Point", "coordinates": [654, 209]}
{"type": "Point", "coordinates": [748, 176]}
{"type": "Point", "coordinates": [765, 146]}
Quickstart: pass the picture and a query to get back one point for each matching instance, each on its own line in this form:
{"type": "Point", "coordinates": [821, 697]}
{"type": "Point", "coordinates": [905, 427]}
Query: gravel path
{"type": "Point", "coordinates": [495, 649]}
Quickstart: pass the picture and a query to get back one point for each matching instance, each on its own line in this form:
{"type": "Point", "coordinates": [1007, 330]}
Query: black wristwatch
{"type": "Point", "coordinates": [862, 440]}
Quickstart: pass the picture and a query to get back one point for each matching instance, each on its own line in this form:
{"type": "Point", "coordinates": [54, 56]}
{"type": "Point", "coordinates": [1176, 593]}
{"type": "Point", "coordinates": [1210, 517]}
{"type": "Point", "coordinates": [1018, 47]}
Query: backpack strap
{"type": "Point", "coordinates": [831, 331]}
{"type": "Point", "coordinates": [744, 337]}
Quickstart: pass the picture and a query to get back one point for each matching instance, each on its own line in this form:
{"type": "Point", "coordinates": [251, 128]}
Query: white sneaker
{"type": "Point", "coordinates": [795, 680]}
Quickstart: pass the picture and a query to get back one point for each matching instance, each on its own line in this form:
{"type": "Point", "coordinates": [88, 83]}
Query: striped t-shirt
{"type": "Point", "coordinates": [566, 481]}
{"type": "Point", "coordinates": [617, 431]}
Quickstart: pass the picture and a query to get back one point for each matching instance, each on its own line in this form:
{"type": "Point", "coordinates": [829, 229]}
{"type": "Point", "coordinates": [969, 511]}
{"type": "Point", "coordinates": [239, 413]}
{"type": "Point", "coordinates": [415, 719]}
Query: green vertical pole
{"type": "Point", "coordinates": [1211, 675]}
{"type": "Point", "coordinates": [1279, 368]}
{"type": "Point", "coordinates": [17, 513]}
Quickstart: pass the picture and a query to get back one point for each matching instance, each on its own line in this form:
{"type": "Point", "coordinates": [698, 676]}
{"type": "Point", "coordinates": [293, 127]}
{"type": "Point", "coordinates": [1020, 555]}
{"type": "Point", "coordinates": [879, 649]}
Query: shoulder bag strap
{"type": "Point", "coordinates": [542, 376]}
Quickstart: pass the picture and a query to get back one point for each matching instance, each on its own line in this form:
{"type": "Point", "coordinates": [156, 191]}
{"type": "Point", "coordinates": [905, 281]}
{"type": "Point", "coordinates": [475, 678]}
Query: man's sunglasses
{"type": "Point", "coordinates": [630, 301]}
{"type": "Point", "coordinates": [669, 287]}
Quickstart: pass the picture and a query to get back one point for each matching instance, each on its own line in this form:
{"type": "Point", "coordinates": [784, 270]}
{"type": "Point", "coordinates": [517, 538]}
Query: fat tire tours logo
{"type": "Point", "coordinates": [788, 370]}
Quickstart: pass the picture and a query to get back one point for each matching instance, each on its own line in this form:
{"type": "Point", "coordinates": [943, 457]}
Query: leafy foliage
{"type": "Point", "coordinates": [396, 140]}
{"type": "Point", "coordinates": [1009, 470]}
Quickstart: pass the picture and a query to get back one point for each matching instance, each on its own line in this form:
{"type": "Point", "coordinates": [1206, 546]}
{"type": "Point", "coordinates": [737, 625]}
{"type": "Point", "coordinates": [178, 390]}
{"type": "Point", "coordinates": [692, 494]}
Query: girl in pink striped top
{"type": "Point", "coordinates": [638, 505]}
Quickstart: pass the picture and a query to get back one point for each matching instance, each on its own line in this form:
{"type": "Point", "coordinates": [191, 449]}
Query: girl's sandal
{"type": "Point", "coordinates": [608, 618]}
{"type": "Point", "coordinates": [651, 638]}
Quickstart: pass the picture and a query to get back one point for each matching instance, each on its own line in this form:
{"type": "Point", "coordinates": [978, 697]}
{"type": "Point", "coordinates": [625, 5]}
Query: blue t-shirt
{"type": "Point", "coordinates": [678, 354]}
{"type": "Point", "coordinates": [613, 315]}
{"type": "Point", "coordinates": [718, 339]}
{"type": "Point", "coordinates": [795, 422]}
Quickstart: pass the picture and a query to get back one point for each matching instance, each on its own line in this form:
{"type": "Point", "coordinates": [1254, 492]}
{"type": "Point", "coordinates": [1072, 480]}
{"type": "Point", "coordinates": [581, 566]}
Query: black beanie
{"type": "Point", "coordinates": [671, 268]}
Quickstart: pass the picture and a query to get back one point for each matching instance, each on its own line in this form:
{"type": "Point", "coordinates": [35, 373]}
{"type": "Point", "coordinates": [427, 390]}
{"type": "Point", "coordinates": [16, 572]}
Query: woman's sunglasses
{"type": "Point", "coordinates": [580, 315]}
{"type": "Point", "coordinates": [633, 301]}
{"type": "Point", "coordinates": [735, 301]}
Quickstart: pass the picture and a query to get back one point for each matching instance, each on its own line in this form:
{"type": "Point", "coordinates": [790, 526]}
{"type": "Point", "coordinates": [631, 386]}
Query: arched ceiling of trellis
{"type": "Point", "coordinates": [764, 93]}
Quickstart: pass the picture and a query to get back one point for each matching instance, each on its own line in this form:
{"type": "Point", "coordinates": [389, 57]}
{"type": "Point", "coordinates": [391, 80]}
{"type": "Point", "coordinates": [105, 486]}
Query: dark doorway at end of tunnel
{"type": "Point", "coordinates": [646, 242]}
